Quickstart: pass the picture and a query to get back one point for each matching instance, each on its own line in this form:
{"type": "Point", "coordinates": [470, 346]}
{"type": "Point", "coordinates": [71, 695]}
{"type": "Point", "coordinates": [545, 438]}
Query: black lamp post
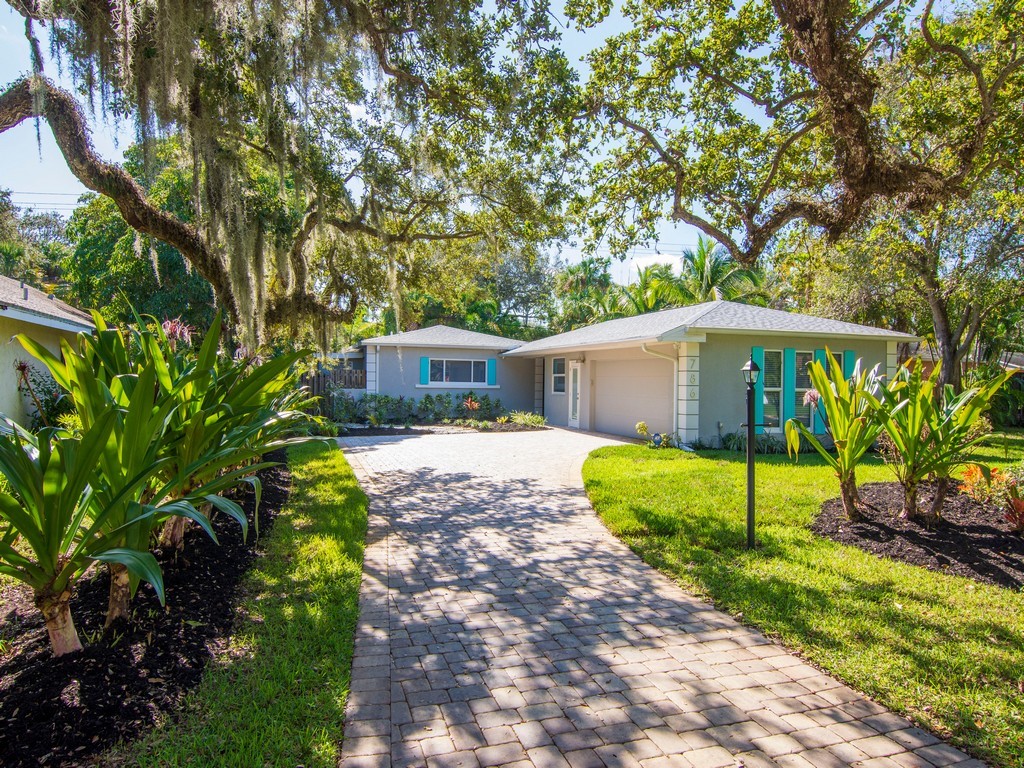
{"type": "Point", "coordinates": [750, 372]}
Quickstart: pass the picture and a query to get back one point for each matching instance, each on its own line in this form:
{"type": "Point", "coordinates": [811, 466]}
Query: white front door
{"type": "Point", "coordinates": [574, 394]}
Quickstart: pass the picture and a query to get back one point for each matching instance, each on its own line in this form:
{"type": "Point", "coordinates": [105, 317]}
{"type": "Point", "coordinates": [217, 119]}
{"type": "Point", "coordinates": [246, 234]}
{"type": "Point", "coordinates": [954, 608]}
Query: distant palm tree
{"type": "Point", "coordinates": [644, 295]}
{"type": "Point", "coordinates": [709, 273]}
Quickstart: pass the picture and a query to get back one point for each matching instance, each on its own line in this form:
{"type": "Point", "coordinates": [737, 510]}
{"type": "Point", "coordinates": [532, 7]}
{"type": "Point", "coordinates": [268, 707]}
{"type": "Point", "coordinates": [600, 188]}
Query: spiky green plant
{"type": "Point", "coordinates": [850, 408]}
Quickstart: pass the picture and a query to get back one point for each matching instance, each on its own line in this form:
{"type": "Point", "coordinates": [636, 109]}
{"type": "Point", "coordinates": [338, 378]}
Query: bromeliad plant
{"type": "Point", "coordinates": [930, 431]}
{"type": "Point", "coordinates": [58, 518]}
{"type": "Point", "coordinates": [850, 407]}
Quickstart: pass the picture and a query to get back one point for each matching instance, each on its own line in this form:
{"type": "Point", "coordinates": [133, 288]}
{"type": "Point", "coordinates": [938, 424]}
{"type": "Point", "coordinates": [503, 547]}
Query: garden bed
{"type": "Point", "coordinates": [65, 711]}
{"type": "Point", "coordinates": [973, 540]}
{"type": "Point", "coordinates": [436, 429]}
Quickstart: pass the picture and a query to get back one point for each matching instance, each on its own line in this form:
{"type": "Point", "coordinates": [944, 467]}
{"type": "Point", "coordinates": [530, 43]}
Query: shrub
{"type": "Point", "coordinates": [764, 443]}
{"type": "Point", "coordinates": [850, 407]}
{"type": "Point", "coordinates": [342, 407]}
{"type": "Point", "coordinates": [470, 405]}
{"type": "Point", "coordinates": [932, 432]}
{"type": "Point", "coordinates": [527, 419]}
{"type": "Point", "coordinates": [427, 408]}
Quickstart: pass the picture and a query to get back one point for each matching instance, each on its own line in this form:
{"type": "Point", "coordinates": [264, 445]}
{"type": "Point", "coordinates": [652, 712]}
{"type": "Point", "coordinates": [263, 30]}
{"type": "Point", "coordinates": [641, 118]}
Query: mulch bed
{"type": "Point", "coordinates": [973, 539]}
{"type": "Point", "coordinates": [66, 711]}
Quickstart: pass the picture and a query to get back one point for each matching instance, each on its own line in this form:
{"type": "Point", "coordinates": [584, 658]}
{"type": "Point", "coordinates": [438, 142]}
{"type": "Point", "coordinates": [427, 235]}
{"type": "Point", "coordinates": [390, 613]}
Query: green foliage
{"type": "Point", "coordinates": [66, 513]}
{"type": "Point", "coordinates": [527, 419]}
{"type": "Point", "coordinates": [850, 408]}
{"type": "Point", "coordinates": [40, 390]}
{"type": "Point", "coordinates": [930, 429]}
{"type": "Point", "coordinates": [764, 443]}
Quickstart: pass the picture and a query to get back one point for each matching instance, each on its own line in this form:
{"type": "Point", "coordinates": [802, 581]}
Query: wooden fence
{"type": "Point", "coordinates": [339, 378]}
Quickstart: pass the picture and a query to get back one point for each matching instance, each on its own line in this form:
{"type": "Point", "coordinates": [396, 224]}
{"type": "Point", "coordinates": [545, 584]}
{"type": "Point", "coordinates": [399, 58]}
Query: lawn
{"type": "Point", "coordinates": [946, 651]}
{"type": "Point", "coordinates": [276, 694]}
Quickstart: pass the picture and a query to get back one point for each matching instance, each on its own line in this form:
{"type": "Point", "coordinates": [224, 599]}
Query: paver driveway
{"type": "Point", "coordinates": [501, 624]}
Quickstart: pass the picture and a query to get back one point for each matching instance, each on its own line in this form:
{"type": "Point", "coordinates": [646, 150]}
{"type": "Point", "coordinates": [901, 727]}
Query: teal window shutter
{"type": "Point", "coordinates": [492, 371]}
{"type": "Point", "coordinates": [424, 370]}
{"type": "Point", "coordinates": [820, 356]}
{"type": "Point", "coordinates": [849, 362]}
{"type": "Point", "coordinates": [788, 385]}
{"type": "Point", "coordinates": [757, 355]}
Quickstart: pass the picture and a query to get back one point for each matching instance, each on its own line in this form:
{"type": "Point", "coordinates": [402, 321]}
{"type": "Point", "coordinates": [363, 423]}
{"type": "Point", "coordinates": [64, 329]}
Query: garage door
{"type": "Point", "coordinates": [628, 391]}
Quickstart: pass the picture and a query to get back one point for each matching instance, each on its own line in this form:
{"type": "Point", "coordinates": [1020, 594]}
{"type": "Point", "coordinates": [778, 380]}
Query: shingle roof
{"type": "Point", "coordinates": [725, 316]}
{"type": "Point", "coordinates": [444, 336]}
{"type": "Point", "coordinates": [33, 306]}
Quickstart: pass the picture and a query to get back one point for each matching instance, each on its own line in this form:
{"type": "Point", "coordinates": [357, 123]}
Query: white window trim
{"type": "Point", "coordinates": [457, 384]}
{"type": "Point", "coordinates": [765, 389]}
{"type": "Point", "coordinates": [563, 376]}
{"type": "Point", "coordinates": [798, 393]}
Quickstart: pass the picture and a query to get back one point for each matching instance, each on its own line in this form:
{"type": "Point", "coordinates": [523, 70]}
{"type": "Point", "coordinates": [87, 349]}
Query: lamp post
{"type": "Point", "coordinates": [750, 372]}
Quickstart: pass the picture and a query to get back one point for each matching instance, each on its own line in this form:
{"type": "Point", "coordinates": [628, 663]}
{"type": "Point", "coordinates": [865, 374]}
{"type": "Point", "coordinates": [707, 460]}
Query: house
{"type": "Point", "coordinates": [678, 370]}
{"type": "Point", "coordinates": [39, 316]}
{"type": "Point", "coordinates": [441, 359]}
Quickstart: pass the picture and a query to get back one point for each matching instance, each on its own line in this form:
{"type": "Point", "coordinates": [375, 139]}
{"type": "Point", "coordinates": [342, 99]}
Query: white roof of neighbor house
{"type": "Point", "coordinates": [21, 302]}
{"type": "Point", "coordinates": [722, 316]}
{"type": "Point", "coordinates": [444, 336]}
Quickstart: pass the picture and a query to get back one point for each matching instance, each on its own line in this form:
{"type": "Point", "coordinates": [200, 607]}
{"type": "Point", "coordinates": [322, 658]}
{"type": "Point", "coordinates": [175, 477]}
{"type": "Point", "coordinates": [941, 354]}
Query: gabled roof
{"type": "Point", "coordinates": [444, 336]}
{"type": "Point", "coordinates": [21, 302]}
{"type": "Point", "coordinates": [721, 316]}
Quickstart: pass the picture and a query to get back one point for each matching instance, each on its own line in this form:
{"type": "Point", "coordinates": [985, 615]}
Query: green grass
{"type": "Point", "coordinates": [276, 696]}
{"type": "Point", "coordinates": [947, 651]}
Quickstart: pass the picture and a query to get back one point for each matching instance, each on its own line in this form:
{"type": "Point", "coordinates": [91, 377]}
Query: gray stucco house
{"type": "Point", "coordinates": [678, 369]}
{"type": "Point", "coordinates": [440, 359]}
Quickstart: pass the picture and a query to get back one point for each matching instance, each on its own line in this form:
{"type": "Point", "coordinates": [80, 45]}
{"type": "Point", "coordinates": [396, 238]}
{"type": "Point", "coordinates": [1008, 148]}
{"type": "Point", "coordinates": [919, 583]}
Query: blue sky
{"type": "Point", "coordinates": [35, 171]}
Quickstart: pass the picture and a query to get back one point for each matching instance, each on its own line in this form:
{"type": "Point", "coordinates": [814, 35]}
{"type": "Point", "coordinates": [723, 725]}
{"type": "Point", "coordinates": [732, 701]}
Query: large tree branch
{"type": "Point", "coordinates": [358, 226]}
{"type": "Point", "coordinates": [38, 97]}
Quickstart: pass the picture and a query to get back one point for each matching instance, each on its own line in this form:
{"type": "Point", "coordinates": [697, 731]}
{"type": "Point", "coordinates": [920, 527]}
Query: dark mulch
{"type": "Point", "coordinates": [66, 711]}
{"type": "Point", "coordinates": [973, 539]}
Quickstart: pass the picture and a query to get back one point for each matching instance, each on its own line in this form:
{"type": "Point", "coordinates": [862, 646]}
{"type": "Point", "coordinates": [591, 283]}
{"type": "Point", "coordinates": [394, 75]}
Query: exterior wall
{"type": "Point", "coordinates": [11, 401]}
{"type": "Point", "coordinates": [722, 396]}
{"type": "Point", "coordinates": [656, 411]}
{"type": "Point", "coordinates": [396, 372]}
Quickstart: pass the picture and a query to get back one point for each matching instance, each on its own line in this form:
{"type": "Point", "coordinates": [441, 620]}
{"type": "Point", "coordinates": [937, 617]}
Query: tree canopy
{"type": "Point", "coordinates": [740, 119]}
{"type": "Point", "coordinates": [310, 131]}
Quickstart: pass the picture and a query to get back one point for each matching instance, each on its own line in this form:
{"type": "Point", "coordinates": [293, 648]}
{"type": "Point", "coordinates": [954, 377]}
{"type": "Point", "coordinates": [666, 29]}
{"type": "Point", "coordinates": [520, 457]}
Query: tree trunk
{"type": "Point", "coordinates": [851, 499]}
{"type": "Point", "coordinates": [172, 535]}
{"type": "Point", "coordinates": [120, 594]}
{"type": "Point", "coordinates": [910, 502]}
{"type": "Point", "coordinates": [56, 610]}
{"type": "Point", "coordinates": [938, 500]}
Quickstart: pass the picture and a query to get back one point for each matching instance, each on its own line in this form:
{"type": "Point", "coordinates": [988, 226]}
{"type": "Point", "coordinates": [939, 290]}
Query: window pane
{"type": "Point", "coordinates": [772, 374]}
{"type": "Point", "coordinates": [558, 383]}
{"type": "Point", "coordinates": [479, 372]}
{"type": "Point", "coordinates": [803, 381]}
{"type": "Point", "coordinates": [558, 366]}
{"type": "Point", "coordinates": [771, 408]}
{"type": "Point", "coordinates": [437, 370]}
{"type": "Point", "coordinates": [459, 371]}
{"type": "Point", "coordinates": [803, 412]}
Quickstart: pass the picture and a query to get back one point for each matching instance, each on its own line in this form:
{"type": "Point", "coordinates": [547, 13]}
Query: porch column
{"type": "Point", "coordinates": [688, 396]}
{"type": "Point", "coordinates": [891, 359]}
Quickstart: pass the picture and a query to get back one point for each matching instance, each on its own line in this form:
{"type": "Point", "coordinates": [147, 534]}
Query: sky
{"type": "Point", "coordinates": [32, 167]}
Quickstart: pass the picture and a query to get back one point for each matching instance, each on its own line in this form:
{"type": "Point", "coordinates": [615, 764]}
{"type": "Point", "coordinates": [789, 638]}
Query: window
{"type": "Point", "coordinates": [772, 378]}
{"type": "Point", "coordinates": [558, 374]}
{"type": "Point", "coordinates": [802, 412]}
{"type": "Point", "coordinates": [458, 372]}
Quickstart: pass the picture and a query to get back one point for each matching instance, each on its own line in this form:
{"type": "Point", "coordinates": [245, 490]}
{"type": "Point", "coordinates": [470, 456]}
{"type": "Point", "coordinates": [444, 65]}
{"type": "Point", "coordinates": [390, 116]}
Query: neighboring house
{"type": "Point", "coordinates": [39, 316]}
{"type": "Point", "coordinates": [678, 370]}
{"type": "Point", "coordinates": [440, 359]}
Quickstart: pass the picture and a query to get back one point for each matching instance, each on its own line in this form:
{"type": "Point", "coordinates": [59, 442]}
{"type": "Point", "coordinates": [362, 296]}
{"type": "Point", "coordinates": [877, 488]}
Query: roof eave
{"type": "Point", "coordinates": [879, 334]}
{"type": "Point", "coordinates": [46, 321]}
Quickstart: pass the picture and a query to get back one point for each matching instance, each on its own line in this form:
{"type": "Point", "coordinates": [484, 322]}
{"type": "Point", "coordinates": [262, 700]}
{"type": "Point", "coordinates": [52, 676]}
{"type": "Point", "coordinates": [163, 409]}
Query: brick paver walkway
{"type": "Point", "coordinates": [502, 625]}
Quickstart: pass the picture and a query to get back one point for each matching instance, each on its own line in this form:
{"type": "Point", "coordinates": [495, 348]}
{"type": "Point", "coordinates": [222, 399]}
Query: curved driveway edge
{"type": "Point", "coordinates": [501, 624]}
